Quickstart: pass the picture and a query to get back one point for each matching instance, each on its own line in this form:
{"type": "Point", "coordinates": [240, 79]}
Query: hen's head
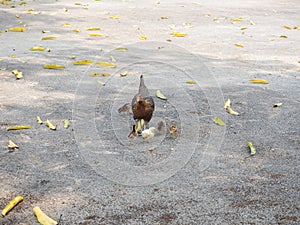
{"type": "Point", "coordinates": [140, 99]}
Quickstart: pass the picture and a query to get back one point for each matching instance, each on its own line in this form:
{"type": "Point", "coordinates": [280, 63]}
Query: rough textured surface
{"type": "Point", "coordinates": [91, 174]}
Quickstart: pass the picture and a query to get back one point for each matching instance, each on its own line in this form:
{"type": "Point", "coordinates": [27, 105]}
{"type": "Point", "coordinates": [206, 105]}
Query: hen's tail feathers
{"type": "Point", "coordinates": [143, 90]}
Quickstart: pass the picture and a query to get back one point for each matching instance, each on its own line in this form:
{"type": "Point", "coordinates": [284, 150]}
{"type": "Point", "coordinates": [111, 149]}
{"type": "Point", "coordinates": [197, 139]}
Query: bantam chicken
{"type": "Point", "coordinates": [142, 105]}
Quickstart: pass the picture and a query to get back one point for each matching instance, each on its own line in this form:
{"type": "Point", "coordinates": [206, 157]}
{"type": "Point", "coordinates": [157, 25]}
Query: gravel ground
{"type": "Point", "coordinates": [90, 173]}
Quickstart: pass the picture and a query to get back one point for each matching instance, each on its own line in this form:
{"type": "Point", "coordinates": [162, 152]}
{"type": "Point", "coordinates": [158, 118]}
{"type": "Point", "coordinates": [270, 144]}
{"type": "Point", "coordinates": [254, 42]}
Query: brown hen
{"type": "Point", "coordinates": [142, 104]}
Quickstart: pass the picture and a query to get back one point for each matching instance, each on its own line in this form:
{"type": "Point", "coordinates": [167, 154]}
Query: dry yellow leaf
{"type": "Point", "coordinates": [17, 29]}
{"type": "Point", "coordinates": [94, 28]}
{"type": "Point", "coordinates": [124, 74]}
{"type": "Point", "coordinates": [66, 25]}
{"type": "Point", "coordinates": [20, 127]}
{"type": "Point", "coordinates": [178, 34]}
{"type": "Point", "coordinates": [207, 15]}
{"type": "Point", "coordinates": [83, 62]}
{"type": "Point", "coordinates": [39, 120]}
{"type": "Point", "coordinates": [252, 148]}
{"type": "Point", "coordinates": [160, 95]}
{"type": "Point", "coordinates": [42, 217]}
{"type": "Point", "coordinates": [13, 56]}
{"type": "Point", "coordinates": [237, 19]}
{"type": "Point", "coordinates": [106, 64]}
{"type": "Point", "coordinates": [252, 23]}
{"type": "Point", "coordinates": [121, 49]}
{"type": "Point", "coordinates": [50, 125]}
{"type": "Point", "coordinates": [112, 59]}
{"type": "Point", "coordinates": [228, 108]}
{"type": "Point", "coordinates": [243, 28]}
{"type": "Point", "coordinates": [48, 38]}
{"type": "Point", "coordinates": [143, 38]}
{"type": "Point", "coordinates": [12, 145]}
{"type": "Point", "coordinates": [260, 81]}
{"type": "Point", "coordinates": [53, 66]}
{"type": "Point", "coordinates": [101, 83]}
{"type": "Point", "coordinates": [287, 27]}
{"type": "Point", "coordinates": [114, 17]}
{"type": "Point", "coordinates": [18, 74]}
{"type": "Point", "coordinates": [38, 48]}
{"type": "Point", "coordinates": [296, 27]}
{"type": "Point", "coordinates": [11, 205]}
{"type": "Point", "coordinates": [76, 30]}
{"type": "Point", "coordinates": [239, 45]}
{"type": "Point", "coordinates": [218, 121]}
{"type": "Point", "coordinates": [277, 104]}
{"type": "Point", "coordinates": [105, 74]}
{"type": "Point", "coordinates": [96, 35]}
{"type": "Point", "coordinates": [66, 124]}
{"type": "Point", "coordinates": [283, 36]}
{"type": "Point", "coordinates": [191, 82]}
{"type": "Point", "coordinates": [94, 74]}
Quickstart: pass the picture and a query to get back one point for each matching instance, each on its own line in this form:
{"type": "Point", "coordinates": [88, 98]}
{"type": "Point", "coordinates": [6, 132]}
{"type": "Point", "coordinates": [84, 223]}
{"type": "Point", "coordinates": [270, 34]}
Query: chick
{"type": "Point", "coordinates": [148, 133]}
{"type": "Point", "coordinates": [124, 108]}
{"type": "Point", "coordinates": [133, 134]}
{"type": "Point", "coordinates": [173, 130]}
{"type": "Point", "coordinates": [160, 126]}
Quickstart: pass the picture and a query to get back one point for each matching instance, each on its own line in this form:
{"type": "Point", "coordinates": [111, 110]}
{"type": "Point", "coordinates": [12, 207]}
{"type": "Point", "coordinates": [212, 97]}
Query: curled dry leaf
{"type": "Point", "coordinates": [124, 74]}
{"type": "Point", "coordinates": [17, 29]}
{"type": "Point", "coordinates": [39, 120]}
{"type": "Point", "coordinates": [38, 48]}
{"type": "Point", "coordinates": [252, 23]}
{"type": "Point", "coordinates": [283, 36]}
{"type": "Point", "coordinates": [218, 121]}
{"type": "Point", "coordinates": [50, 125]}
{"type": "Point", "coordinates": [66, 124]}
{"type": "Point", "coordinates": [106, 64]}
{"type": "Point", "coordinates": [83, 62]}
{"type": "Point", "coordinates": [42, 217]}
{"type": "Point", "coordinates": [228, 108]}
{"type": "Point", "coordinates": [53, 66]}
{"type": "Point", "coordinates": [296, 28]}
{"type": "Point", "coordinates": [277, 105]}
{"type": "Point", "coordinates": [160, 95]}
{"type": "Point", "coordinates": [101, 83]}
{"type": "Point", "coordinates": [144, 38]}
{"type": "Point", "coordinates": [252, 148]}
{"type": "Point", "coordinates": [12, 145]}
{"type": "Point", "coordinates": [178, 34]}
{"type": "Point", "coordinates": [18, 74]}
{"type": "Point", "coordinates": [11, 205]}
{"type": "Point", "coordinates": [259, 81]}
{"type": "Point", "coordinates": [20, 127]}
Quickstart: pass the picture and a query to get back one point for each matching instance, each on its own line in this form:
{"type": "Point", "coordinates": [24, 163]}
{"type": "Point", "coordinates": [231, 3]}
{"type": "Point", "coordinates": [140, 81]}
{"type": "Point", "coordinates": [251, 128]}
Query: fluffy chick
{"type": "Point", "coordinates": [148, 133]}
